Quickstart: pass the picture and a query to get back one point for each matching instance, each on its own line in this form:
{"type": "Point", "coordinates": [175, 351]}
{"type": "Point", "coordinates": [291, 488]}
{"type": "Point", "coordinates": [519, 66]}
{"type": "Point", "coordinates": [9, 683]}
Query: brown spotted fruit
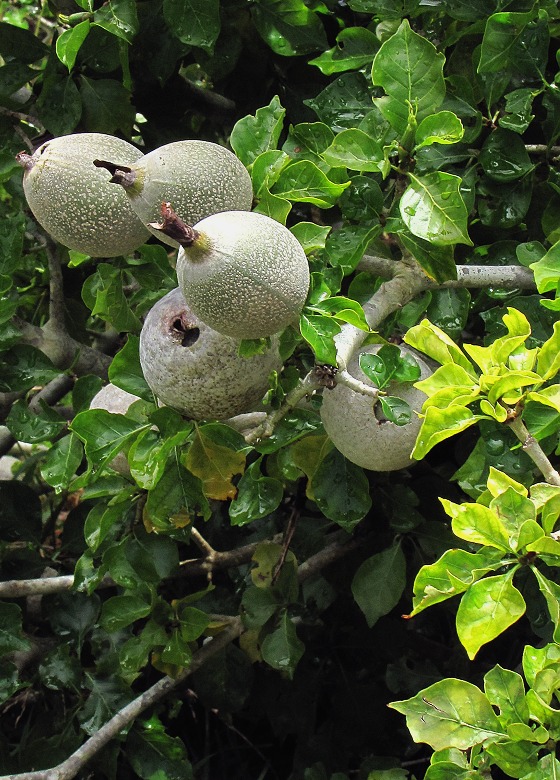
{"type": "Point", "coordinates": [74, 201]}
{"type": "Point", "coordinates": [358, 430]}
{"type": "Point", "coordinates": [241, 272]}
{"type": "Point", "coordinates": [199, 177]}
{"type": "Point", "coordinates": [196, 370]}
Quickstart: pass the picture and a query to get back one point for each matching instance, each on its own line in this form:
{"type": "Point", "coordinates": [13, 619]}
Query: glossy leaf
{"type": "Point", "coordinates": [257, 496]}
{"type": "Point", "coordinates": [440, 424]}
{"type": "Point", "coordinates": [69, 43]}
{"type": "Point", "coordinates": [340, 490]}
{"type": "Point", "coordinates": [410, 70]}
{"type": "Point", "coordinates": [505, 690]}
{"type": "Point", "coordinates": [319, 331]}
{"type": "Point", "coordinates": [450, 713]}
{"type": "Point", "coordinates": [433, 209]}
{"type": "Point", "coordinates": [254, 135]}
{"type": "Point", "coordinates": [126, 372]}
{"type": "Point", "coordinates": [355, 150]}
{"type": "Point", "coordinates": [355, 47]}
{"type": "Point", "coordinates": [195, 22]}
{"type": "Point", "coordinates": [282, 649]}
{"type": "Point", "coordinates": [289, 27]}
{"type": "Point", "coordinates": [445, 127]}
{"type": "Point", "coordinates": [488, 608]}
{"type": "Point", "coordinates": [304, 182]}
{"type": "Point", "coordinates": [452, 574]}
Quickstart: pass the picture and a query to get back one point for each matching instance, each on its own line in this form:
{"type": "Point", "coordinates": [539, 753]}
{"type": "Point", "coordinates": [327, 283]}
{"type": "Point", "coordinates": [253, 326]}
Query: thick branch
{"type": "Point", "coordinates": [56, 285]}
{"type": "Point", "coordinates": [62, 349]}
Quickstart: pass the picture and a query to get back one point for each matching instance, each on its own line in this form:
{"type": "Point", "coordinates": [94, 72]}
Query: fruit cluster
{"type": "Point", "coordinates": [241, 275]}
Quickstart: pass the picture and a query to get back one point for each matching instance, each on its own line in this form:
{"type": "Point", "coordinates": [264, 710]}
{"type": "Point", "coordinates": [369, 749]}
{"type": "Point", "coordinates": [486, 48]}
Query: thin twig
{"type": "Point", "coordinates": [535, 451]}
{"type": "Point", "coordinates": [72, 765]}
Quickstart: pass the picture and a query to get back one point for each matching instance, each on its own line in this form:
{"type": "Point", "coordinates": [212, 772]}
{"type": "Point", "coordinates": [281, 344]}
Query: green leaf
{"type": "Point", "coordinates": [258, 605]}
{"type": "Point", "coordinates": [126, 372]}
{"type": "Point", "coordinates": [437, 261]}
{"type": "Point", "coordinates": [410, 70]}
{"type": "Point", "coordinates": [106, 106]}
{"type": "Point", "coordinates": [395, 410]}
{"type": "Point", "coordinates": [343, 309]}
{"type": "Point", "coordinates": [389, 365]}
{"type": "Point", "coordinates": [104, 434]}
{"type": "Point", "coordinates": [548, 360]}
{"type": "Point", "coordinates": [282, 649]}
{"type": "Point", "coordinates": [341, 490]}
{"type": "Point", "coordinates": [514, 42]}
{"type": "Point", "coordinates": [23, 367]}
{"type": "Point", "coordinates": [103, 294]}
{"type": "Point", "coordinates": [60, 104]}
{"type": "Point", "coordinates": [119, 18]}
{"type": "Point", "coordinates": [355, 47]}
{"type": "Point", "coordinates": [344, 102]}
{"type": "Point", "coordinates": [547, 270]}
{"type": "Point", "coordinates": [504, 157]}
{"type": "Point", "coordinates": [25, 425]}
{"type": "Point", "coordinates": [440, 424]}
{"type": "Point", "coordinates": [68, 44]}
{"type": "Point", "coordinates": [487, 609]}
{"type": "Point", "coordinates": [257, 496]}
{"type": "Point", "coordinates": [62, 461]}
{"type": "Point", "coordinates": [289, 27]}
{"type": "Point", "coordinates": [304, 182]}
{"type": "Point", "coordinates": [11, 633]}
{"type": "Point", "coordinates": [296, 424]}
{"type": "Point", "coordinates": [176, 500]}
{"type": "Point", "coordinates": [346, 245]}
{"type": "Point", "coordinates": [518, 116]}
{"type": "Point", "coordinates": [356, 150]}
{"type": "Point", "coordinates": [445, 127]}
{"type": "Point", "coordinates": [120, 611]}
{"type": "Point", "coordinates": [266, 169]}
{"type": "Point", "coordinates": [477, 523]}
{"type": "Point", "coordinates": [551, 593]}
{"type": "Point", "coordinates": [156, 755]}
{"type": "Point", "coordinates": [505, 690]}
{"type": "Point", "coordinates": [379, 582]}
{"type": "Point", "coordinates": [452, 574]}
{"type": "Point", "coordinates": [312, 237]}
{"type": "Point", "coordinates": [450, 713]}
{"type": "Point", "coordinates": [194, 22]}
{"type": "Point", "coordinates": [254, 135]}
{"type": "Point", "coordinates": [319, 332]}
{"type": "Point", "coordinates": [20, 43]}
{"type": "Point", "coordinates": [433, 209]}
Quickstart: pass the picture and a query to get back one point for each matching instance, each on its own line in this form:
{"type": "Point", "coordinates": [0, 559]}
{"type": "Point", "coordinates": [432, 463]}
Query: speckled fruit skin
{"type": "Point", "coordinates": [74, 201]}
{"type": "Point", "coordinates": [117, 401]}
{"type": "Point", "coordinates": [247, 276]}
{"type": "Point", "coordinates": [351, 424]}
{"type": "Point", "coordinates": [196, 370]}
{"type": "Point", "coordinates": [198, 178]}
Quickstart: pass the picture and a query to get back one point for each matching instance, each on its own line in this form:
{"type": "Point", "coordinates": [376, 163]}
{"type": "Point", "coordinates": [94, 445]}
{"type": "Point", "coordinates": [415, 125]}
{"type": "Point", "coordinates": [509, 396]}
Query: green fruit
{"type": "Point", "coordinates": [355, 430]}
{"type": "Point", "coordinates": [242, 273]}
{"type": "Point", "coordinates": [74, 201]}
{"type": "Point", "coordinates": [198, 177]}
{"type": "Point", "coordinates": [196, 370]}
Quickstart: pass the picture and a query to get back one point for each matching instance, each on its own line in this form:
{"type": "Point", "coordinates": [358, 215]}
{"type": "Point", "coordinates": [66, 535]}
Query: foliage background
{"type": "Point", "coordinates": [304, 692]}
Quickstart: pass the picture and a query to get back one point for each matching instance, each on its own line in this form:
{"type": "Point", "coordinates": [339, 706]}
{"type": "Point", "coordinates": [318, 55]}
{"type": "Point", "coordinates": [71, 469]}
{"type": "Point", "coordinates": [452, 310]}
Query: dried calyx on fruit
{"type": "Point", "coordinates": [242, 273]}
{"type": "Point", "coordinates": [199, 177]}
{"type": "Point", "coordinates": [74, 202]}
{"type": "Point", "coordinates": [197, 371]}
{"type": "Point", "coordinates": [353, 426]}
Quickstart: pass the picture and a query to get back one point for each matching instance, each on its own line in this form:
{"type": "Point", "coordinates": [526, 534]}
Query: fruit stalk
{"type": "Point", "coordinates": [173, 226]}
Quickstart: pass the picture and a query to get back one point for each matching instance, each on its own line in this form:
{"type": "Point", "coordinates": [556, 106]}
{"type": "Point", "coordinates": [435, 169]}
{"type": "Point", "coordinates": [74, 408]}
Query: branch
{"type": "Point", "coordinates": [62, 349]}
{"type": "Point", "coordinates": [535, 451]}
{"type": "Point", "coordinates": [56, 285]}
{"type": "Point", "coordinates": [70, 768]}
{"type": "Point", "coordinates": [50, 394]}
